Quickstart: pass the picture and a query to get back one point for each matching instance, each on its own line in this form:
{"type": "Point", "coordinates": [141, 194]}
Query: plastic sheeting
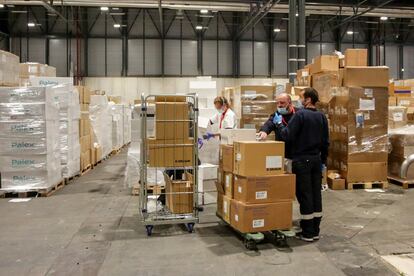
{"type": "Point", "coordinates": [29, 150]}
{"type": "Point", "coordinates": [101, 121]}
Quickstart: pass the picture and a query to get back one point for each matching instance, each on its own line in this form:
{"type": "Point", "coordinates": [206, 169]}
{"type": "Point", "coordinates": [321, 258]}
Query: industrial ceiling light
{"type": "Point", "coordinates": [1, 6]}
{"type": "Point", "coordinates": [198, 27]}
{"type": "Point", "coordinates": [297, 14]}
{"type": "Point", "coordinates": [276, 30]}
{"type": "Point", "coordinates": [104, 8]}
{"type": "Point", "coordinates": [350, 32]}
{"type": "Point", "coordinates": [116, 25]}
{"type": "Point", "coordinates": [203, 11]}
{"type": "Point", "coordinates": [384, 18]}
{"type": "Point", "coordinates": [31, 24]}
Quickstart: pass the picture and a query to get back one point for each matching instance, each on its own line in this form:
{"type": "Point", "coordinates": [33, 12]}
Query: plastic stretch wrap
{"type": "Point", "coordinates": [117, 111]}
{"type": "Point", "coordinates": [9, 69]}
{"type": "Point", "coordinates": [260, 108]}
{"type": "Point", "coordinates": [29, 138]}
{"type": "Point", "coordinates": [402, 146]}
{"type": "Point", "coordinates": [101, 121]}
{"type": "Point", "coordinates": [127, 124]}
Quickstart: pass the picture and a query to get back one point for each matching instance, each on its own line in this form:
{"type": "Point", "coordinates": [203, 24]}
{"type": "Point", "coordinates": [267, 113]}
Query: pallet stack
{"type": "Point", "coordinates": [86, 153]}
{"type": "Point", "coordinates": [9, 69]}
{"type": "Point", "coordinates": [254, 193]}
{"type": "Point", "coordinates": [101, 131]}
{"type": "Point", "coordinates": [29, 138]}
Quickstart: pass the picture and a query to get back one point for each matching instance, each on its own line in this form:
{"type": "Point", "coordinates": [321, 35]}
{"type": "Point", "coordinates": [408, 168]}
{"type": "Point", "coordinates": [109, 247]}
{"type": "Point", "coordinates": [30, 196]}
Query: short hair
{"type": "Point", "coordinates": [312, 94]}
{"type": "Point", "coordinates": [285, 95]}
{"type": "Point", "coordinates": [221, 100]}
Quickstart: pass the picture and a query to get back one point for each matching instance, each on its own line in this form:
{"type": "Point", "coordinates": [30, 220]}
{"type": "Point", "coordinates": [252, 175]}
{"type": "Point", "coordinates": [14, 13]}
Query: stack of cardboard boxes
{"type": "Point", "coordinates": [252, 104]}
{"type": "Point", "coordinates": [401, 96]}
{"type": "Point", "coordinates": [87, 155]}
{"type": "Point", "coordinates": [358, 125]}
{"type": "Point", "coordinates": [254, 193]}
{"type": "Point", "coordinates": [35, 69]}
{"type": "Point", "coordinates": [9, 69]}
{"type": "Point", "coordinates": [172, 145]}
{"type": "Point", "coordinates": [402, 146]}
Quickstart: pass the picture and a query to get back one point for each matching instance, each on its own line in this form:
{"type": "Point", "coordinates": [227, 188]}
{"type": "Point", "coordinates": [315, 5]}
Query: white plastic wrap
{"type": "Point", "coordinates": [117, 111]}
{"type": "Point", "coordinates": [29, 138]}
{"type": "Point", "coordinates": [127, 125]}
{"type": "Point", "coordinates": [101, 121]}
{"type": "Point", "coordinates": [9, 69]}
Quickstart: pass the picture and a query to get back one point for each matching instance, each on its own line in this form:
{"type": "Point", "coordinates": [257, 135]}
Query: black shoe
{"type": "Point", "coordinates": [303, 238]}
{"type": "Point", "coordinates": [316, 238]}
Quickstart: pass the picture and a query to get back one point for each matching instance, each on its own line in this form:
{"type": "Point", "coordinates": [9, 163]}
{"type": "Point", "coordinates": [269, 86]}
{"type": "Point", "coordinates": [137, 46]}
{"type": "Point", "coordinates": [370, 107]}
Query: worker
{"type": "Point", "coordinates": [308, 134]}
{"type": "Point", "coordinates": [286, 109]}
{"type": "Point", "coordinates": [225, 117]}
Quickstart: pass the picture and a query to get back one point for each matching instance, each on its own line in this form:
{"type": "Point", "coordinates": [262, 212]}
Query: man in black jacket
{"type": "Point", "coordinates": [287, 110]}
{"type": "Point", "coordinates": [308, 134]}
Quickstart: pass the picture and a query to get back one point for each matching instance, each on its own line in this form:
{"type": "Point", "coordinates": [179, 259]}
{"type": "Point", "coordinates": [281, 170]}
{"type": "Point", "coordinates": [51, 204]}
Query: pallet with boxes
{"type": "Point", "coordinates": [254, 192]}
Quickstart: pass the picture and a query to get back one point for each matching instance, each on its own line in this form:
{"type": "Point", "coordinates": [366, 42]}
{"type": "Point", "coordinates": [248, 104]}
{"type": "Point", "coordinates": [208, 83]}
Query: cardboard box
{"type": "Point", "coordinates": [401, 91]}
{"type": "Point", "coordinates": [325, 63]}
{"type": "Point", "coordinates": [179, 195]}
{"type": "Point", "coordinates": [397, 117]}
{"type": "Point", "coordinates": [224, 207]}
{"type": "Point", "coordinates": [98, 153]}
{"type": "Point", "coordinates": [356, 57]}
{"type": "Point", "coordinates": [85, 143]}
{"type": "Point", "coordinates": [336, 183]}
{"type": "Point", "coordinates": [172, 111]}
{"type": "Point", "coordinates": [172, 130]}
{"type": "Point", "coordinates": [84, 127]}
{"type": "Point", "coordinates": [371, 76]}
{"type": "Point", "coordinates": [392, 101]}
{"type": "Point", "coordinates": [228, 184]}
{"type": "Point", "coordinates": [86, 95]}
{"type": "Point", "coordinates": [228, 136]}
{"type": "Point", "coordinates": [365, 171]}
{"type": "Point", "coordinates": [227, 155]}
{"type": "Point", "coordinates": [404, 101]}
{"type": "Point", "coordinates": [172, 98]}
{"type": "Point", "coordinates": [323, 83]}
{"type": "Point", "coordinates": [85, 159]}
{"type": "Point", "coordinates": [93, 156]}
{"type": "Point", "coordinates": [259, 158]}
{"type": "Point", "coordinates": [265, 189]}
{"type": "Point", "coordinates": [252, 218]}
{"type": "Point", "coordinates": [170, 153]}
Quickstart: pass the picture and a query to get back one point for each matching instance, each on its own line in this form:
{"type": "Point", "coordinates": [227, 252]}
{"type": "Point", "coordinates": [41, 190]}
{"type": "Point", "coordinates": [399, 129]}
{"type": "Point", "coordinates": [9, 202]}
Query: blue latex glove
{"type": "Point", "coordinates": [208, 136]}
{"type": "Point", "coordinates": [200, 143]}
{"type": "Point", "coordinates": [323, 168]}
{"type": "Point", "coordinates": [277, 119]}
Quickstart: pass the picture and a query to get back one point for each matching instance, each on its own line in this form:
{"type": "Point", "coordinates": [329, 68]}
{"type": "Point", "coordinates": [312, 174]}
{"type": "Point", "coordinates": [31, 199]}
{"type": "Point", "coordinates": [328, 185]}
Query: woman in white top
{"type": "Point", "coordinates": [225, 117]}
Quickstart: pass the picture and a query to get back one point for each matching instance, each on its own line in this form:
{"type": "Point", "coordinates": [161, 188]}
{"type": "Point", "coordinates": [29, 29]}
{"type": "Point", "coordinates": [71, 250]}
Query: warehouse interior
{"type": "Point", "coordinates": [117, 158]}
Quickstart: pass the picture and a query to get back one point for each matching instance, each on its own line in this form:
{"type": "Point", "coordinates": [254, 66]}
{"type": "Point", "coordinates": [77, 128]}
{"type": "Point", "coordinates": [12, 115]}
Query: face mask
{"type": "Point", "coordinates": [282, 110]}
{"type": "Point", "coordinates": [220, 111]}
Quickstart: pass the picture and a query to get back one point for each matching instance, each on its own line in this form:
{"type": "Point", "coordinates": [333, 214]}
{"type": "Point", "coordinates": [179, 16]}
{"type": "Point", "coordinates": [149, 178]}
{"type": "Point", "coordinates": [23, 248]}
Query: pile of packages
{"type": "Point", "coordinates": [252, 104]}
{"type": "Point", "coordinates": [9, 69]}
{"type": "Point", "coordinates": [402, 146]}
{"type": "Point", "coordinates": [101, 122]}
{"type": "Point", "coordinates": [29, 137]}
{"type": "Point", "coordinates": [34, 69]}
{"type": "Point", "coordinates": [121, 125]}
{"type": "Point", "coordinates": [69, 115]}
{"type": "Point", "coordinates": [254, 192]}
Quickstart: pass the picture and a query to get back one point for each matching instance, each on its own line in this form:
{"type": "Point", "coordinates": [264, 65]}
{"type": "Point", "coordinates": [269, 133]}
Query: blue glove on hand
{"type": "Point", "coordinates": [200, 143]}
{"type": "Point", "coordinates": [208, 136]}
{"type": "Point", "coordinates": [323, 168]}
{"type": "Point", "coordinates": [277, 119]}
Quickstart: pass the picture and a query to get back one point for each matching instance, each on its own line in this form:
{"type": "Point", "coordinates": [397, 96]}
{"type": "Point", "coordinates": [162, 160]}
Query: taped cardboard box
{"type": "Point", "coordinates": [397, 117]}
{"type": "Point", "coordinates": [364, 171]}
{"type": "Point", "coordinates": [227, 157]}
{"type": "Point", "coordinates": [404, 101]}
{"type": "Point", "coordinates": [179, 195]}
{"type": "Point", "coordinates": [224, 207]}
{"type": "Point", "coordinates": [228, 136]}
{"type": "Point", "coordinates": [252, 218]}
{"type": "Point", "coordinates": [172, 111]}
{"type": "Point", "coordinates": [259, 158]}
{"type": "Point", "coordinates": [323, 83]}
{"type": "Point", "coordinates": [335, 182]}
{"type": "Point", "coordinates": [325, 63]}
{"type": "Point", "coordinates": [366, 76]}
{"type": "Point", "coordinates": [228, 184]}
{"type": "Point", "coordinates": [392, 101]}
{"type": "Point", "coordinates": [356, 57]}
{"type": "Point", "coordinates": [265, 189]}
{"type": "Point", "coordinates": [98, 153]}
{"type": "Point", "coordinates": [169, 153]}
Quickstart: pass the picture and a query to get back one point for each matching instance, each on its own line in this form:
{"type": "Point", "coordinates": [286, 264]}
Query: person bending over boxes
{"type": "Point", "coordinates": [225, 117]}
{"type": "Point", "coordinates": [308, 135]}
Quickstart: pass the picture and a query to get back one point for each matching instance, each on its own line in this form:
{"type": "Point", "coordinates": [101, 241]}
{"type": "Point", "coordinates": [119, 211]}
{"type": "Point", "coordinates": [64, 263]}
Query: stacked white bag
{"type": "Point", "coordinates": [101, 121]}
{"type": "Point", "coordinates": [69, 115]}
{"type": "Point", "coordinates": [29, 138]}
{"type": "Point", "coordinates": [117, 111]}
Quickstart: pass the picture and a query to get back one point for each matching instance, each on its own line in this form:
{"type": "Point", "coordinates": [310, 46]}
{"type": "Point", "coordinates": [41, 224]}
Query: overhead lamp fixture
{"type": "Point", "coordinates": [203, 11]}
{"type": "Point", "coordinates": [277, 30]}
{"type": "Point", "coordinates": [350, 32]}
{"type": "Point", "coordinates": [31, 24]}
{"type": "Point", "coordinates": [104, 8]}
{"type": "Point", "coordinates": [402, 70]}
{"type": "Point", "coordinates": [384, 18]}
{"type": "Point", "coordinates": [116, 25]}
{"type": "Point", "coordinates": [199, 27]}
{"type": "Point", "coordinates": [1, 6]}
{"type": "Point", "coordinates": [297, 14]}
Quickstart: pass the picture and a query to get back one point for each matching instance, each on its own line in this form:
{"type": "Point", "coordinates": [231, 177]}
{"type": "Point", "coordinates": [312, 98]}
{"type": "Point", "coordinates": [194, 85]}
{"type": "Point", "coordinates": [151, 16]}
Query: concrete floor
{"type": "Point", "coordinates": [92, 227]}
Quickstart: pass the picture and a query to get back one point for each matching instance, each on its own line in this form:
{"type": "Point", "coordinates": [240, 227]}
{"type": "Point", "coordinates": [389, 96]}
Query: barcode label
{"type": "Point", "coordinates": [261, 195]}
{"type": "Point", "coordinates": [398, 117]}
{"type": "Point", "coordinates": [228, 180]}
{"type": "Point", "coordinates": [258, 223]}
{"type": "Point", "coordinates": [225, 208]}
{"type": "Point", "coordinates": [273, 162]}
{"type": "Point", "coordinates": [239, 189]}
{"type": "Point", "coordinates": [238, 156]}
{"type": "Point", "coordinates": [236, 217]}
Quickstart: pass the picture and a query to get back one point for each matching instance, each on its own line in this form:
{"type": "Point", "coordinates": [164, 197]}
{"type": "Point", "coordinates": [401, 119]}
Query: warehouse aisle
{"type": "Point", "coordinates": [91, 227]}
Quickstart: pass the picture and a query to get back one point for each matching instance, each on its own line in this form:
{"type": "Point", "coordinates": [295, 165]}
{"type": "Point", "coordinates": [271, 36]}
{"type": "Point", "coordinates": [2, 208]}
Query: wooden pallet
{"type": "Point", "coordinates": [405, 183]}
{"type": "Point", "coordinates": [86, 169]}
{"type": "Point", "coordinates": [115, 151]}
{"type": "Point", "coordinates": [35, 192]}
{"type": "Point", "coordinates": [367, 185]}
{"type": "Point", "coordinates": [152, 189]}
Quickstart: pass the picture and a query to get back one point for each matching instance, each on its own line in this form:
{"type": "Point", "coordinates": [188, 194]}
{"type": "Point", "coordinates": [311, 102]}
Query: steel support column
{"type": "Point", "coordinates": [292, 44]}
{"type": "Point", "coordinates": [124, 72]}
{"type": "Point", "coordinates": [301, 34]}
{"type": "Point", "coordinates": [401, 61]}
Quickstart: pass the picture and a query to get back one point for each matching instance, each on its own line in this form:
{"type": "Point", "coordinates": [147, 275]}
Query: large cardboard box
{"type": "Point", "coordinates": [323, 83]}
{"type": "Point", "coordinates": [356, 57]}
{"type": "Point", "coordinates": [179, 195]}
{"type": "Point", "coordinates": [265, 189]}
{"type": "Point", "coordinates": [85, 143]}
{"type": "Point", "coordinates": [224, 207]}
{"type": "Point", "coordinates": [172, 130]}
{"type": "Point", "coordinates": [228, 136]}
{"type": "Point", "coordinates": [372, 76]}
{"type": "Point", "coordinates": [397, 117]}
{"type": "Point", "coordinates": [171, 111]}
{"type": "Point", "coordinates": [251, 218]}
{"type": "Point", "coordinates": [365, 171]}
{"type": "Point", "coordinates": [228, 184]}
{"type": "Point", "coordinates": [227, 157]}
{"type": "Point", "coordinates": [325, 63]}
{"type": "Point", "coordinates": [170, 153]}
{"type": "Point", "coordinates": [259, 158]}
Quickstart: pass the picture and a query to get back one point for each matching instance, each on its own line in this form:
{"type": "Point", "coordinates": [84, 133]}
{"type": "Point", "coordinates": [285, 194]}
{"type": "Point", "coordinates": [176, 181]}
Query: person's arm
{"type": "Point", "coordinates": [325, 140]}
{"type": "Point", "coordinates": [288, 133]}
{"type": "Point", "coordinates": [269, 126]}
{"type": "Point", "coordinates": [214, 119]}
{"type": "Point", "coordinates": [230, 120]}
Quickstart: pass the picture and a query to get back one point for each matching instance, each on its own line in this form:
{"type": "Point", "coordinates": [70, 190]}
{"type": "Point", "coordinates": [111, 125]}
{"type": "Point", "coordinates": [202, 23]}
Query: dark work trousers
{"type": "Point", "coordinates": [308, 192]}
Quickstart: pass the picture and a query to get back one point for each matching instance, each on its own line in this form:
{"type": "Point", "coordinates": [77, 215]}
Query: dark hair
{"type": "Point", "coordinates": [312, 94]}
{"type": "Point", "coordinates": [222, 101]}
